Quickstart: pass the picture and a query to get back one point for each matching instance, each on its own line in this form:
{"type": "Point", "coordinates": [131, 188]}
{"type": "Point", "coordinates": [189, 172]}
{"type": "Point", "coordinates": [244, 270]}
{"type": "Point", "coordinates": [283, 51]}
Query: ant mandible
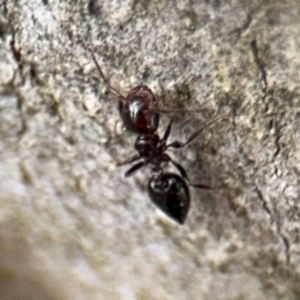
{"type": "Point", "coordinates": [140, 115]}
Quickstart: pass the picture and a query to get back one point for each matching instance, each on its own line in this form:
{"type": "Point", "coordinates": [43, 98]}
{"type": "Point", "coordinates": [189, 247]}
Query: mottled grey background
{"type": "Point", "coordinates": [71, 225]}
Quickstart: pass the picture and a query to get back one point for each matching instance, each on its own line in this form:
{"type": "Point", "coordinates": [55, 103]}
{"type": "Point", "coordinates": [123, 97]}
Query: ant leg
{"type": "Point", "coordinates": [178, 144]}
{"type": "Point", "coordinates": [168, 130]}
{"type": "Point", "coordinates": [181, 170]}
{"type": "Point", "coordinates": [129, 160]}
{"type": "Point", "coordinates": [107, 84]}
{"type": "Point", "coordinates": [202, 186]}
{"type": "Point", "coordinates": [185, 176]}
{"type": "Point", "coordinates": [134, 169]}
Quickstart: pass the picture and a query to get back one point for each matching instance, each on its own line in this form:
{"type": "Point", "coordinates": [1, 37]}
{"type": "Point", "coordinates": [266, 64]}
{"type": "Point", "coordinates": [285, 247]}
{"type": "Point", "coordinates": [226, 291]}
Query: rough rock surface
{"type": "Point", "coordinates": [71, 225]}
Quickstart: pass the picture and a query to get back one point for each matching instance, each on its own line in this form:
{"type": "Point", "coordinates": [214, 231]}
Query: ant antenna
{"type": "Point", "coordinates": [199, 109]}
{"type": "Point", "coordinates": [178, 144]}
{"type": "Point", "coordinates": [106, 82]}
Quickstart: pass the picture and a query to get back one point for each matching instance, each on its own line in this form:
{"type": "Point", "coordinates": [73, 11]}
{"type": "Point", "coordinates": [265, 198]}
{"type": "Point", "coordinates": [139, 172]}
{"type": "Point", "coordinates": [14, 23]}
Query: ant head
{"type": "Point", "coordinates": [139, 111]}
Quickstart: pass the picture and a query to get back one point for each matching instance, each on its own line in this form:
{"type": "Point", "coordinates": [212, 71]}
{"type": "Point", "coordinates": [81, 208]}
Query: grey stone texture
{"type": "Point", "coordinates": [71, 225]}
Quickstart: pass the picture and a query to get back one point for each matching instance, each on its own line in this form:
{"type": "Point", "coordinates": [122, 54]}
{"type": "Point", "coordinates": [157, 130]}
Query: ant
{"type": "Point", "coordinates": [140, 115]}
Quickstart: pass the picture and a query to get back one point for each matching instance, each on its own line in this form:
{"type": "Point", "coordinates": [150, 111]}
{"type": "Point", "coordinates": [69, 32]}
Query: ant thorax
{"type": "Point", "coordinates": [146, 144]}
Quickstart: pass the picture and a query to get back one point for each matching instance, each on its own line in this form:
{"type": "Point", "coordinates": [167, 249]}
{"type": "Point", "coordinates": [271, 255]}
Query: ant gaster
{"type": "Point", "coordinates": [140, 115]}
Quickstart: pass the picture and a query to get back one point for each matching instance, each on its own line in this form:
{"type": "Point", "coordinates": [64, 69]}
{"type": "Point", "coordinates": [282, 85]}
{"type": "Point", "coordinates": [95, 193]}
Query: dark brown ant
{"type": "Point", "coordinates": [140, 114]}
